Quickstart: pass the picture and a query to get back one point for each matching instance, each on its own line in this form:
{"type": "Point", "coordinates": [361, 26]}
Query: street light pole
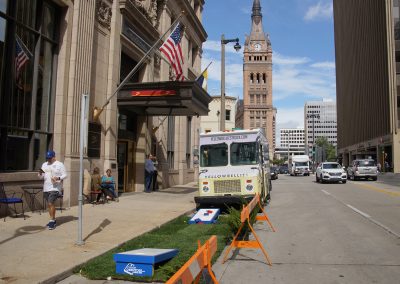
{"type": "Point", "coordinates": [237, 48]}
{"type": "Point", "coordinates": [288, 145]}
{"type": "Point", "coordinates": [313, 116]}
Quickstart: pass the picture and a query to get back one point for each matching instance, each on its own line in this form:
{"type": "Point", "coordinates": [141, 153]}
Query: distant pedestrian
{"type": "Point", "coordinates": [379, 167]}
{"type": "Point", "coordinates": [387, 166]}
{"type": "Point", "coordinates": [155, 173]}
{"type": "Point", "coordinates": [148, 172]}
{"type": "Point", "coordinates": [53, 173]}
{"type": "Point", "coordinates": [108, 183]}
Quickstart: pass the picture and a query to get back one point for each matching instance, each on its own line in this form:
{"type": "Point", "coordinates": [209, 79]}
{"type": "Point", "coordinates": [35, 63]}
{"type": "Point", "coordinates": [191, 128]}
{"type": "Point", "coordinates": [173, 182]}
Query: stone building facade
{"type": "Point", "coordinates": [258, 110]}
{"type": "Point", "coordinates": [89, 46]}
{"type": "Point", "coordinates": [211, 123]}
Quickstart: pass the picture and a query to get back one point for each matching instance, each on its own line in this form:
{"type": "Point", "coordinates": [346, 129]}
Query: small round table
{"type": "Point", "coordinates": [33, 190]}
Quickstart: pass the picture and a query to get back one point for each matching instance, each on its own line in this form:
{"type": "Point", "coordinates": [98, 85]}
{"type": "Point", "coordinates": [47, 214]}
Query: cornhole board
{"type": "Point", "coordinates": [140, 262]}
{"type": "Point", "coordinates": [205, 216]}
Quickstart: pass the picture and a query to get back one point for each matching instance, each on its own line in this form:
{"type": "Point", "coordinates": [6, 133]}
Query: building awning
{"type": "Point", "coordinates": [174, 98]}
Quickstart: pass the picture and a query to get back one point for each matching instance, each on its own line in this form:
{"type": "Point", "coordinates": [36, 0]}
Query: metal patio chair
{"type": "Point", "coordinates": [11, 197]}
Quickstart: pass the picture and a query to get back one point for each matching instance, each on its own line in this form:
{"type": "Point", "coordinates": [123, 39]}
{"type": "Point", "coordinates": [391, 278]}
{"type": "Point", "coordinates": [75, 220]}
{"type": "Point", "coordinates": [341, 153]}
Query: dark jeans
{"type": "Point", "coordinates": [148, 177]}
{"type": "Point", "coordinates": [154, 180]}
{"type": "Point", "coordinates": [109, 187]}
{"type": "Point", "coordinates": [104, 192]}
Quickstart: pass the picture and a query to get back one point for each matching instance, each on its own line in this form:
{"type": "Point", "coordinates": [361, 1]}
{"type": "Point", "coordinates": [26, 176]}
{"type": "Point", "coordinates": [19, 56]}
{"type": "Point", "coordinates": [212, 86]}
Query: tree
{"type": "Point", "coordinates": [278, 162]}
{"type": "Point", "coordinates": [328, 151]}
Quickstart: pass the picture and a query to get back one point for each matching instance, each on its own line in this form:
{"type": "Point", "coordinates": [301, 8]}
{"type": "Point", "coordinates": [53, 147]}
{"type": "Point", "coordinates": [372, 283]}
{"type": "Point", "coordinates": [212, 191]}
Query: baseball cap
{"type": "Point", "coordinates": [50, 154]}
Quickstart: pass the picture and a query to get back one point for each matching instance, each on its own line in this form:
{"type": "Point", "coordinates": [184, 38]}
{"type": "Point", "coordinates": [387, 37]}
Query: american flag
{"type": "Point", "coordinates": [171, 48]}
{"type": "Point", "coordinates": [21, 57]}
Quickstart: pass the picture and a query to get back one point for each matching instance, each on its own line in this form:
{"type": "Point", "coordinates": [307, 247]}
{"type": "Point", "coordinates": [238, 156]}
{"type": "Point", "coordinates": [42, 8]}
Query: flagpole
{"type": "Point", "coordinates": [204, 70]}
{"type": "Point", "coordinates": [98, 111]}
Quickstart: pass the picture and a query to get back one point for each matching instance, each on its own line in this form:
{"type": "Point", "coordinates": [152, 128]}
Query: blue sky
{"type": "Point", "coordinates": [301, 33]}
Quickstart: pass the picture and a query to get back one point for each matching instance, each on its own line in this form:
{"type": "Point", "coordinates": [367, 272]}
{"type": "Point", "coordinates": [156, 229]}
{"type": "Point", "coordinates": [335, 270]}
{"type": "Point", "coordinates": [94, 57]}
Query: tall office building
{"type": "Point", "coordinates": [257, 79]}
{"type": "Point", "coordinates": [292, 143]}
{"type": "Point", "coordinates": [320, 121]}
{"type": "Point", "coordinates": [293, 137]}
{"type": "Point", "coordinates": [367, 44]}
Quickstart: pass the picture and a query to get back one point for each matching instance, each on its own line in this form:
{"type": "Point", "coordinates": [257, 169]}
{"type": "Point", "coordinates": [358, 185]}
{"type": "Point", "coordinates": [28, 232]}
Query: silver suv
{"type": "Point", "coordinates": [362, 168]}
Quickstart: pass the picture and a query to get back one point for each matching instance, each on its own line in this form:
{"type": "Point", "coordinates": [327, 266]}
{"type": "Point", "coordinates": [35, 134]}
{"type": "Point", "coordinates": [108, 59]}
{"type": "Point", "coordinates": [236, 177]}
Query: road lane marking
{"type": "Point", "coordinates": [377, 189]}
{"type": "Point", "coordinates": [372, 220]}
{"type": "Point", "coordinates": [365, 215]}
{"type": "Point", "coordinates": [358, 211]}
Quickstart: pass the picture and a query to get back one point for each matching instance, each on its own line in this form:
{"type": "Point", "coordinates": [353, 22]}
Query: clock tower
{"type": "Point", "coordinates": [257, 80]}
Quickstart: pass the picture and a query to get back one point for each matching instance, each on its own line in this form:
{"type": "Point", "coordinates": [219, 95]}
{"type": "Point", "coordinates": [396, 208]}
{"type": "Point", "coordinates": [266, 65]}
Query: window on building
{"type": "Point", "coordinates": [195, 51]}
{"type": "Point", "coordinates": [227, 115]}
{"type": "Point", "coordinates": [188, 141]}
{"type": "Point", "coordinates": [251, 98]}
{"type": "Point", "coordinates": [27, 108]}
{"type": "Point", "coordinates": [171, 142]}
{"type": "Point", "coordinates": [396, 19]}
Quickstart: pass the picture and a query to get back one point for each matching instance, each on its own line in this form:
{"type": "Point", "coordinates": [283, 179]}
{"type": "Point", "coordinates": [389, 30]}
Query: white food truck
{"type": "Point", "coordinates": [234, 165]}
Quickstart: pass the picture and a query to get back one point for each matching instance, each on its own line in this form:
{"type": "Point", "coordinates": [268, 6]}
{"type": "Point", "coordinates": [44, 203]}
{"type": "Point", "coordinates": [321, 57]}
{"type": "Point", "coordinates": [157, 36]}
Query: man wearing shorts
{"type": "Point", "coordinates": [53, 173]}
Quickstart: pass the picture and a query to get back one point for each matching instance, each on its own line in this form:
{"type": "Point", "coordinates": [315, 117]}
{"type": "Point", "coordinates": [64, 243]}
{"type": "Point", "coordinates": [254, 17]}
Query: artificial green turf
{"type": "Point", "coordinates": [177, 234]}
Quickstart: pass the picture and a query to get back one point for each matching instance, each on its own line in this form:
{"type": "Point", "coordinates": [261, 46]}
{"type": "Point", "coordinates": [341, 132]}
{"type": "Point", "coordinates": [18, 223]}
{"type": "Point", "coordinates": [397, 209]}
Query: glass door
{"type": "Point", "coordinates": [122, 153]}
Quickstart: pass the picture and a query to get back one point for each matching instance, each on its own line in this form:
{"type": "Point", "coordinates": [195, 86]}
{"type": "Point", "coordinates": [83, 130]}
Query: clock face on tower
{"type": "Point", "coordinates": [257, 47]}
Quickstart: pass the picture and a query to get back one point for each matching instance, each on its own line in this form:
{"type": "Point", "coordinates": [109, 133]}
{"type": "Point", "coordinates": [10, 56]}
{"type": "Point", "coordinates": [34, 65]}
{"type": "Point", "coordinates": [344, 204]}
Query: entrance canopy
{"type": "Point", "coordinates": [185, 98]}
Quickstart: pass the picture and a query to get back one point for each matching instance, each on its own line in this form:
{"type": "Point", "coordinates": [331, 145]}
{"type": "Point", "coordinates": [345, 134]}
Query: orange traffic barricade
{"type": "Point", "coordinates": [245, 217]}
{"type": "Point", "coordinates": [191, 271]}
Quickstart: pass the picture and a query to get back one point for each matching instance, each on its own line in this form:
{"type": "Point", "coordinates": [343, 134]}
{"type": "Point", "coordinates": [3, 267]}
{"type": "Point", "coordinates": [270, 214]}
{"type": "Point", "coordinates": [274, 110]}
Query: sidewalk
{"type": "Point", "coordinates": [30, 253]}
{"type": "Point", "coordinates": [389, 178]}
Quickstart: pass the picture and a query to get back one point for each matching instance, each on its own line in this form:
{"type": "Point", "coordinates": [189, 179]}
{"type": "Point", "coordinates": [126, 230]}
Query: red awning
{"type": "Point", "coordinates": [165, 98]}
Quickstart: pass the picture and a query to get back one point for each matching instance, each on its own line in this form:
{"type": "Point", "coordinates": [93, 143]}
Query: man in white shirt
{"type": "Point", "coordinates": [53, 172]}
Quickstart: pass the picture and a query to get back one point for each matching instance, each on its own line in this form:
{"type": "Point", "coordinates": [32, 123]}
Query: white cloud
{"type": "Point", "coordinates": [302, 81]}
{"type": "Point", "coordinates": [288, 118]}
{"type": "Point", "coordinates": [295, 81]}
{"type": "Point", "coordinates": [295, 77]}
{"type": "Point", "coordinates": [279, 59]}
{"type": "Point", "coordinates": [324, 65]}
{"type": "Point", "coordinates": [319, 11]}
{"type": "Point", "coordinates": [233, 76]}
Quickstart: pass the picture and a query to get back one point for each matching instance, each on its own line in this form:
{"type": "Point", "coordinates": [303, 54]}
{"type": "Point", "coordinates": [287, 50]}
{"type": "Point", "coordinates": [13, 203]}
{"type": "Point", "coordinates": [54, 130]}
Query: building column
{"type": "Point", "coordinates": [78, 81]}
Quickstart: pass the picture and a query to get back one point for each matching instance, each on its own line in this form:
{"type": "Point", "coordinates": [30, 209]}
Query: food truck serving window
{"type": "Point", "coordinates": [214, 155]}
{"type": "Point", "coordinates": [244, 153]}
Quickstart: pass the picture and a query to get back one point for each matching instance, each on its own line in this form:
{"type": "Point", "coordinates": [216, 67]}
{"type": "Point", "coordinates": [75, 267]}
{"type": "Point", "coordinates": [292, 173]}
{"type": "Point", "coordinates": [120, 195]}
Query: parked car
{"type": "Point", "coordinates": [362, 168]}
{"type": "Point", "coordinates": [330, 172]}
{"type": "Point", "coordinates": [284, 169]}
{"type": "Point", "coordinates": [274, 172]}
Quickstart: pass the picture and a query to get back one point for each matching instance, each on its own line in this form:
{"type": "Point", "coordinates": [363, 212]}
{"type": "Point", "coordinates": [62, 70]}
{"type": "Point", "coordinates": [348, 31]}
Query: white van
{"type": "Point", "coordinates": [233, 165]}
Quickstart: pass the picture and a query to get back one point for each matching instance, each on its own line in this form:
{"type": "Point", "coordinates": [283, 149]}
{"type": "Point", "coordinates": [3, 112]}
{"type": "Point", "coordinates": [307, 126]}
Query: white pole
{"type": "Point", "coordinates": [82, 142]}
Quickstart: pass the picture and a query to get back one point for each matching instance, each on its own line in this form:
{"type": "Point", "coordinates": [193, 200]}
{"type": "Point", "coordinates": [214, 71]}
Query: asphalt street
{"type": "Point", "coordinates": [326, 233]}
